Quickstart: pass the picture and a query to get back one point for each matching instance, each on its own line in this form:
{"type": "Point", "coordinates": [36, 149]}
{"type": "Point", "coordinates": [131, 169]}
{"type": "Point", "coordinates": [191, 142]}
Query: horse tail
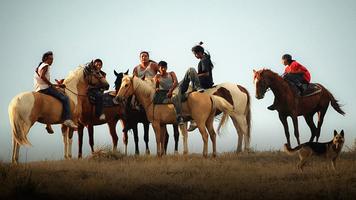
{"type": "Point", "coordinates": [334, 103]}
{"type": "Point", "coordinates": [291, 151]}
{"type": "Point", "coordinates": [19, 124]}
{"type": "Point", "coordinates": [225, 107]}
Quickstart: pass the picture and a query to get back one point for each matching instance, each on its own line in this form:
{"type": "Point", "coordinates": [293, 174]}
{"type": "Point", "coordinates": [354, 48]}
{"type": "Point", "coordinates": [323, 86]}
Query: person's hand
{"type": "Point", "coordinates": [157, 89]}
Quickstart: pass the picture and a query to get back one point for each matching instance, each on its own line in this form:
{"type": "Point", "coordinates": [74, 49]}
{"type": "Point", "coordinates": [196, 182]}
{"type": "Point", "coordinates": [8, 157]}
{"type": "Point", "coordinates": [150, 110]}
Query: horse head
{"type": "Point", "coordinates": [118, 80]}
{"type": "Point", "coordinates": [126, 88]}
{"type": "Point", "coordinates": [261, 83]}
{"type": "Point", "coordinates": [94, 77]}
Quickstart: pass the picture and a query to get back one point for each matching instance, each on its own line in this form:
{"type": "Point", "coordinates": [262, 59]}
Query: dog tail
{"type": "Point", "coordinates": [291, 151]}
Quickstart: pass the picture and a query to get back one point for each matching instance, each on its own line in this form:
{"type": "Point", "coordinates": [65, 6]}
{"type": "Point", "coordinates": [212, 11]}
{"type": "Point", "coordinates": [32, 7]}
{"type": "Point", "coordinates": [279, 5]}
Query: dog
{"type": "Point", "coordinates": [329, 150]}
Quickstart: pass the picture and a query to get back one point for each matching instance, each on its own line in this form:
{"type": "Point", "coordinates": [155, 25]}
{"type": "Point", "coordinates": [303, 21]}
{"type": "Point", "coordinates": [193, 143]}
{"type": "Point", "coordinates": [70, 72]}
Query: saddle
{"type": "Point", "coordinates": [160, 97]}
{"type": "Point", "coordinates": [306, 90]}
{"type": "Point", "coordinates": [107, 99]}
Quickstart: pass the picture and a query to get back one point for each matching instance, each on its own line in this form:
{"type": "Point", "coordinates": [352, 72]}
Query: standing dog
{"type": "Point", "coordinates": [329, 150]}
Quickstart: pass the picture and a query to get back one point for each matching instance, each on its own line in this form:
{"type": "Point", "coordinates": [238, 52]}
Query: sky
{"type": "Point", "coordinates": [240, 36]}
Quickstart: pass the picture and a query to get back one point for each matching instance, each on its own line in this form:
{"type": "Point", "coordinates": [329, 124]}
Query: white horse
{"type": "Point", "coordinates": [28, 107]}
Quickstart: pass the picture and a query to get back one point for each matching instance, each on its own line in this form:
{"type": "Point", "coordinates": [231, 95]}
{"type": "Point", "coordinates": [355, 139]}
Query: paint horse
{"type": "Point", "coordinates": [29, 107]}
{"type": "Point", "coordinates": [133, 117]}
{"type": "Point", "coordinates": [201, 107]}
{"type": "Point", "coordinates": [288, 103]}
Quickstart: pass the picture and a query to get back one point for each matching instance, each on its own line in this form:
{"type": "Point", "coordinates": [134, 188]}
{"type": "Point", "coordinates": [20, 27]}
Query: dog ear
{"type": "Point", "coordinates": [335, 133]}
{"type": "Point", "coordinates": [342, 133]}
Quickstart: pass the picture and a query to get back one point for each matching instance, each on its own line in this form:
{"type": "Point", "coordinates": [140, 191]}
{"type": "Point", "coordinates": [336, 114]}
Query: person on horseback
{"type": "Point", "coordinates": [296, 74]}
{"type": "Point", "coordinates": [146, 69]}
{"type": "Point", "coordinates": [97, 92]}
{"type": "Point", "coordinates": [43, 85]}
{"type": "Point", "coordinates": [203, 79]}
{"type": "Point", "coordinates": [165, 81]}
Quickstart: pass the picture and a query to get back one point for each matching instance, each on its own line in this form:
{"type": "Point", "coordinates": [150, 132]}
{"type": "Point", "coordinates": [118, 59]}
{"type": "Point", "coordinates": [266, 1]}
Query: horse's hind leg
{"type": "Point", "coordinates": [112, 129]}
{"type": "Point", "coordinates": [70, 141]}
{"type": "Point", "coordinates": [15, 151]}
{"type": "Point", "coordinates": [146, 127]}
{"type": "Point", "coordinates": [321, 115]}
{"type": "Point", "coordinates": [210, 127]}
{"type": "Point", "coordinates": [176, 138]}
{"type": "Point", "coordinates": [309, 121]}
{"type": "Point", "coordinates": [135, 133]}
{"type": "Point", "coordinates": [239, 133]}
{"type": "Point", "coordinates": [164, 139]}
{"type": "Point", "coordinates": [204, 135]}
{"type": "Point", "coordinates": [184, 132]}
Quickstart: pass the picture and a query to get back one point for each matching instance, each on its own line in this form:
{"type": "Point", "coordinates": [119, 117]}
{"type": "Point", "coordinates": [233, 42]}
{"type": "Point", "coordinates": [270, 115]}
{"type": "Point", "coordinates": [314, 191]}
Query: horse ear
{"type": "Point", "coordinates": [116, 74]}
{"type": "Point", "coordinates": [254, 71]}
{"type": "Point", "coordinates": [127, 72]}
{"type": "Point", "coordinates": [335, 132]}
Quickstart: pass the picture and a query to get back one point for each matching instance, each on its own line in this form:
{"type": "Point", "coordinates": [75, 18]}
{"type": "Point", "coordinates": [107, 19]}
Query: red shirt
{"type": "Point", "coordinates": [295, 67]}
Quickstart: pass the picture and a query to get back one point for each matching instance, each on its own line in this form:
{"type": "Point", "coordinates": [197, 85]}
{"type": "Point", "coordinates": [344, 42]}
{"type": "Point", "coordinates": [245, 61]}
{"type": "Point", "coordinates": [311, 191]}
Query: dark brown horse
{"type": "Point", "coordinates": [133, 117]}
{"type": "Point", "coordinates": [290, 104]}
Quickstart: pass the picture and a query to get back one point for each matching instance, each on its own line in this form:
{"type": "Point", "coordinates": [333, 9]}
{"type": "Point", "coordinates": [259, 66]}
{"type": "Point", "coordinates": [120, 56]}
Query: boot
{"type": "Point", "coordinates": [69, 123]}
{"type": "Point", "coordinates": [192, 126]}
{"type": "Point", "coordinates": [49, 129]}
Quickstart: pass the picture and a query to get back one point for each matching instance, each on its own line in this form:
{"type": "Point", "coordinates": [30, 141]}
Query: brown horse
{"type": "Point", "coordinates": [200, 106]}
{"type": "Point", "coordinates": [28, 107]}
{"type": "Point", "coordinates": [290, 104]}
{"type": "Point", "coordinates": [133, 117]}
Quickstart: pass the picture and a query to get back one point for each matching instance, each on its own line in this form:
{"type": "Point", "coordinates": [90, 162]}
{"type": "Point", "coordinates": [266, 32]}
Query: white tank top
{"type": "Point", "coordinates": [148, 72]}
{"type": "Point", "coordinates": [40, 84]}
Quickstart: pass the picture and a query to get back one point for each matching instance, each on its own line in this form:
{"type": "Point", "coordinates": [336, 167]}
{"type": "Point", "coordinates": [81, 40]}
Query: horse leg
{"type": "Point", "coordinates": [283, 119]}
{"type": "Point", "coordinates": [157, 128]}
{"type": "Point", "coordinates": [124, 134]}
{"type": "Point", "coordinates": [146, 129]}
{"type": "Point", "coordinates": [135, 133]}
{"type": "Point", "coordinates": [164, 139]}
{"type": "Point", "coordinates": [204, 136]}
{"type": "Point", "coordinates": [65, 140]}
{"type": "Point", "coordinates": [321, 115]}
{"type": "Point", "coordinates": [240, 135]}
{"type": "Point", "coordinates": [310, 122]}
{"type": "Point", "coordinates": [80, 141]}
{"type": "Point", "coordinates": [209, 125]}
{"type": "Point", "coordinates": [176, 138]}
{"type": "Point", "coordinates": [184, 132]}
{"type": "Point", "coordinates": [112, 129]}
{"type": "Point", "coordinates": [296, 129]}
{"type": "Point", "coordinates": [15, 151]}
{"type": "Point", "coordinates": [91, 137]}
{"type": "Point", "coordinates": [70, 142]}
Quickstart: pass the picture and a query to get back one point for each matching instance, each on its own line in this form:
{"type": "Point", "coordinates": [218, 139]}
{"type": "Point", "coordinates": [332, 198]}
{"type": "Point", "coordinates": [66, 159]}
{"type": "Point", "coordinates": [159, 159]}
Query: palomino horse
{"type": "Point", "coordinates": [133, 117]}
{"type": "Point", "coordinates": [289, 104]}
{"type": "Point", "coordinates": [200, 106]}
{"type": "Point", "coordinates": [28, 107]}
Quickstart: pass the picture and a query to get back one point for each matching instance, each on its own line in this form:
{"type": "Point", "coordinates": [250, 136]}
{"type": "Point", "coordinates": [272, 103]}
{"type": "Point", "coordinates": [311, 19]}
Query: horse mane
{"type": "Point", "coordinates": [143, 86]}
{"type": "Point", "coordinates": [75, 74]}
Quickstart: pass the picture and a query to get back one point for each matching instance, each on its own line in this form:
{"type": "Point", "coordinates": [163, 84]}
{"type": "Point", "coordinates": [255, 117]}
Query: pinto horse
{"type": "Point", "coordinates": [28, 107]}
{"type": "Point", "coordinates": [290, 104]}
{"type": "Point", "coordinates": [133, 117]}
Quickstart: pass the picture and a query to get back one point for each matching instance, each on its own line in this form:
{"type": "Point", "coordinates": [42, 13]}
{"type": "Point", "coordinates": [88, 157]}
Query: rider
{"type": "Point", "coordinates": [43, 85]}
{"type": "Point", "coordinates": [203, 79]}
{"type": "Point", "coordinates": [98, 92]}
{"type": "Point", "coordinates": [165, 81]}
{"type": "Point", "coordinates": [146, 69]}
{"type": "Point", "coordinates": [294, 73]}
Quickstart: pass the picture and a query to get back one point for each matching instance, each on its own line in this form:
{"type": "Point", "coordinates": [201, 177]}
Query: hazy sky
{"type": "Point", "coordinates": [240, 35]}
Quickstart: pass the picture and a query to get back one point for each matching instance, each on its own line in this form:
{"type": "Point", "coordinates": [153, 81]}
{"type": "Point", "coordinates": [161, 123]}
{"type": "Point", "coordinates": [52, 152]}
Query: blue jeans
{"type": "Point", "coordinates": [62, 98]}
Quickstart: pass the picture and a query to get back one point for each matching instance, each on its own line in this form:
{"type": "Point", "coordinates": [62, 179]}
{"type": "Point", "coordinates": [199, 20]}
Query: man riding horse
{"type": "Point", "coordinates": [296, 74]}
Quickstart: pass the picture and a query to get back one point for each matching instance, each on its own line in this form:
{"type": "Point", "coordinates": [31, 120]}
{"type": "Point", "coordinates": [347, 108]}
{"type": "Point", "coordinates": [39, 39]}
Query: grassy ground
{"type": "Point", "coordinates": [259, 175]}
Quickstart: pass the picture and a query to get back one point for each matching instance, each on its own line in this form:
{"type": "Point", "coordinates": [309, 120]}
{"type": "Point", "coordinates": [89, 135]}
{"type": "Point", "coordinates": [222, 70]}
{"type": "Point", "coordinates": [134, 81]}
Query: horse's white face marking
{"type": "Point", "coordinates": [126, 84]}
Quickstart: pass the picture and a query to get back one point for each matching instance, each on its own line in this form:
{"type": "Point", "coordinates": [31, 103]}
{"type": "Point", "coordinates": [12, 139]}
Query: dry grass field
{"type": "Point", "coordinates": [257, 175]}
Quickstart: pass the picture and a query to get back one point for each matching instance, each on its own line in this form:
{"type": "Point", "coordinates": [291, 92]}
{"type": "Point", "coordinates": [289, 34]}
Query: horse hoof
{"type": "Point", "coordinates": [185, 152]}
{"type": "Point", "coordinates": [176, 153]}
